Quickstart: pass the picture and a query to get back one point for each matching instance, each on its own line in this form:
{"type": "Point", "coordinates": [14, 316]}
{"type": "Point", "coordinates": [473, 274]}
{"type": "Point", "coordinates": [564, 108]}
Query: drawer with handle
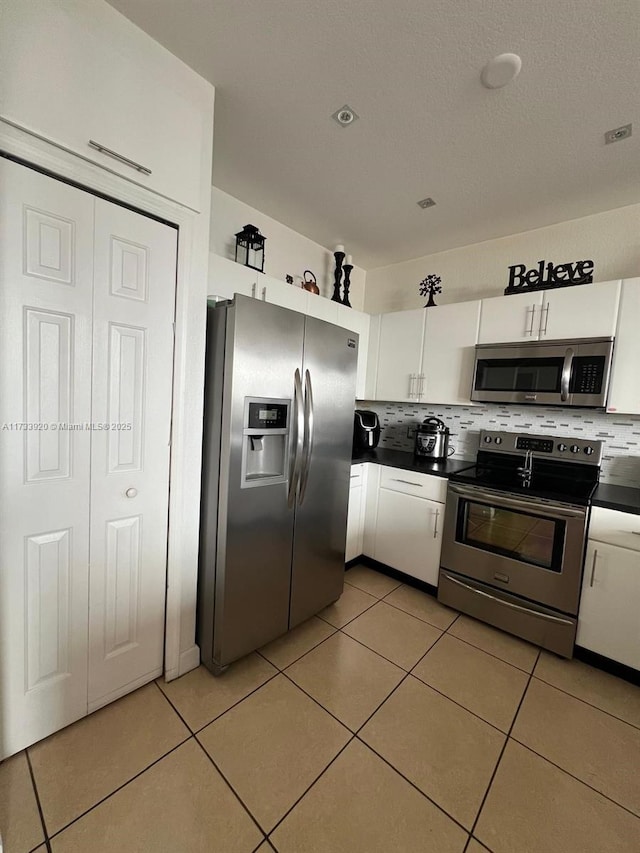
{"type": "Point", "coordinates": [615, 528]}
{"type": "Point", "coordinates": [414, 483]}
{"type": "Point", "coordinates": [356, 475]}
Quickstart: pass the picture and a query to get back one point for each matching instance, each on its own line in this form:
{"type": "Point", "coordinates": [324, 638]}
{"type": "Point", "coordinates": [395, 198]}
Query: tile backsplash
{"type": "Point", "coordinates": [620, 433]}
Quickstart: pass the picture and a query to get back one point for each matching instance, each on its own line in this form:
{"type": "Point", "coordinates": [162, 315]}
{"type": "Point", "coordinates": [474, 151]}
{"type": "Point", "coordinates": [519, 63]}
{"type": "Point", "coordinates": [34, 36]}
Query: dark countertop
{"type": "Point", "coordinates": [408, 462]}
{"type": "Point", "coordinates": [622, 498]}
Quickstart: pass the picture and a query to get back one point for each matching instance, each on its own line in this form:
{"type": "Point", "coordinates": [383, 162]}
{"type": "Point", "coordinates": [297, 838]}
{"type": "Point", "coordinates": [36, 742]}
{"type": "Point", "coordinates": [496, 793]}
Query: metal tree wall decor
{"type": "Point", "coordinates": [546, 275]}
{"type": "Point", "coordinates": [430, 285]}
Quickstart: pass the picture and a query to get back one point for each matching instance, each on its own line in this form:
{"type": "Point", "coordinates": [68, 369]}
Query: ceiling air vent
{"type": "Point", "coordinates": [618, 134]}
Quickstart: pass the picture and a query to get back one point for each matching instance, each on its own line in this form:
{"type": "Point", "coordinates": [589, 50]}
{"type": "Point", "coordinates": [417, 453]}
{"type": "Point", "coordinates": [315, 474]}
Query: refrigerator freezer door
{"type": "Point", "coordinates": [263, 349]}
{"type": "Point", "coordinates": [330, 358]}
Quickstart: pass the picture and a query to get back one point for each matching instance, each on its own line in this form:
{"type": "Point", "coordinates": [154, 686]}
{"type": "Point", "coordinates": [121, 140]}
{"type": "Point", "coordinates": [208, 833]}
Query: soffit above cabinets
{"type": "Point", "coordinates": [496, 161]}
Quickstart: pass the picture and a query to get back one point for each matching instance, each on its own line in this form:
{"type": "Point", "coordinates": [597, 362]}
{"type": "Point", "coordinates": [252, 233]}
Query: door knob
{"type": "Point", "coordinates": [131, 493]}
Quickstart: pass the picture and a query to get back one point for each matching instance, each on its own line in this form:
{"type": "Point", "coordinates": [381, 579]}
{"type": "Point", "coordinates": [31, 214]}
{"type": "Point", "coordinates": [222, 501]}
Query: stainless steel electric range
{"type": "Point", "coordinates": [515, 532]}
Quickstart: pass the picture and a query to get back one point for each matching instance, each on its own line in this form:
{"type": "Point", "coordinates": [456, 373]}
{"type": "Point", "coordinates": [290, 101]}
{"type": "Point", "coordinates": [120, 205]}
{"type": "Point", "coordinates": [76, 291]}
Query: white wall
{"type": "Point", "coordinates": [286, 251]}
{"type": "Point", "coordinates": [611, 239]}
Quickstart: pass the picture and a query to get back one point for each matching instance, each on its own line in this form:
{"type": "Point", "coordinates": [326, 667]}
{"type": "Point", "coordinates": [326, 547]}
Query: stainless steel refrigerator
{"type": "Point", "coordinates": [279, 396]}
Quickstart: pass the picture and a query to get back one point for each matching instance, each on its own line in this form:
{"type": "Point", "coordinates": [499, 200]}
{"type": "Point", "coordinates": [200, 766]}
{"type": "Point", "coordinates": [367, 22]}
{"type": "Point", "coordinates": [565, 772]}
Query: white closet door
{"type": "Point", "coordinates": [46, 272]}
{"type": "Point", "coordinates": [134, 298]}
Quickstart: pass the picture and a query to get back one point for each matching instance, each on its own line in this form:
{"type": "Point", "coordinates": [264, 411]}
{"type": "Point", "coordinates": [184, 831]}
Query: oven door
{"type": "Point", "coordinates": [528, 546]}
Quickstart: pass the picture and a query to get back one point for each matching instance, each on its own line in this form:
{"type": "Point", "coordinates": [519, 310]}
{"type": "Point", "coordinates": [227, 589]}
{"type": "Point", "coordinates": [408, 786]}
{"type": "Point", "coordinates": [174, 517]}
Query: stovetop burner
{"type": "Point", "coordinates": [558, 469]}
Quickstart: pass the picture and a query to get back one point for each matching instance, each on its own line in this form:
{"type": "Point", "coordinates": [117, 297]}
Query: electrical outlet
{"type": "Point", "coordinates": [411, 431]}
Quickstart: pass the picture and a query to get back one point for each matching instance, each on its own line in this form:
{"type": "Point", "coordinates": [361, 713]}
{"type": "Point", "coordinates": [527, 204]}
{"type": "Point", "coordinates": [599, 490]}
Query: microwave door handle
{"type": "Point", "coordinates": [513, 503]}
{"type": "Point", "coordinates": [566, 374]}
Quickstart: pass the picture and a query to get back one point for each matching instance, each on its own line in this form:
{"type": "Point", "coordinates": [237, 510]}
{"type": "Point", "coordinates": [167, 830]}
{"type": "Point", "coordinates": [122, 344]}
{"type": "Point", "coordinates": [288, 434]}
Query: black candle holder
{"type": "Point", "coordinates": [347, 283]}
{"type": "Point", "coordinates": [337, 275]}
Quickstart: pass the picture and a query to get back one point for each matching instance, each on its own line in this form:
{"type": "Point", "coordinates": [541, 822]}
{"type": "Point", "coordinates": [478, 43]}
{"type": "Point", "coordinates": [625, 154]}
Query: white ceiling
{"type": "Point", "coordinates": [496, 162]}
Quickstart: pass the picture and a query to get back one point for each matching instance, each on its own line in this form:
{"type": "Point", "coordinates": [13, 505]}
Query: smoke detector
{"type": "Point", "coordinates": [345, 116]}
{"type": "Point", "coordinates": [618, 133]}
{"type": "Point", "coordinates": [425, 203]}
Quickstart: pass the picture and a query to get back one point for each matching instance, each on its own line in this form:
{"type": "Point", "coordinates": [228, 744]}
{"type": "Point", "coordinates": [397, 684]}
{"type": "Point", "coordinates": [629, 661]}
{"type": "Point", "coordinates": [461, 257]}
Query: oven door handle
{"type": "Point", "coordinates": [567, 367]}
{"type": "Point", "coordinates": [508, 604]}
{"type": "Point", "coordinates": [512, 503]}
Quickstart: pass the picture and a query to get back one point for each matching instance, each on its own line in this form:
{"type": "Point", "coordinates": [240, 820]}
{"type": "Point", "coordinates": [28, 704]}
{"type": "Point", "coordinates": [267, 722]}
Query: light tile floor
{"type": "Point", "coordinates": [388, 723]}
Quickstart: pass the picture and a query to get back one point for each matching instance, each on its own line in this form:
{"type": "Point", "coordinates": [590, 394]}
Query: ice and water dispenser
{"type": "Point", "coordinates": [265, 441]}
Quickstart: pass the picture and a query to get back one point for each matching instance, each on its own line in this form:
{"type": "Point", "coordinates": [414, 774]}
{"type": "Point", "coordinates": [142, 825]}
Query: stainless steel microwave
{"type": "Point", "coordinates": [548, 373]}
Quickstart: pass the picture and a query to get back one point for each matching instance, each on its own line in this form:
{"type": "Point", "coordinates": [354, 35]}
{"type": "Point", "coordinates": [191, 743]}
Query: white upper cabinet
{"type": "Point", "coordinates": [583, 311]}
{"type": "Point", "coordinates": [322, 309]}
{"type": "Point", "coordinates": [399, 356]}
{"type": "Point", "coordinates": [510, 318]}
{"type": "Point", "coordinates": [76, 72]}
{"type": "Point", "coordinates": [227, 278]}
{"type": "Point", "coordinates": [280, 293]}
{"type": "Point", "coordinates": [356, 321]}
{"type": "Point", "coordinates": [624, 391]}
{"type": "Point", "coordinates": [451, 333]}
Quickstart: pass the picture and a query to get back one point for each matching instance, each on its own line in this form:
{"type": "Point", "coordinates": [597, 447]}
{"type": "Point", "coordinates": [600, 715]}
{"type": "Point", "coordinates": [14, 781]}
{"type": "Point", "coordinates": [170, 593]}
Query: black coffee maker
{"type": "Point", "coordinates": [366, 430]}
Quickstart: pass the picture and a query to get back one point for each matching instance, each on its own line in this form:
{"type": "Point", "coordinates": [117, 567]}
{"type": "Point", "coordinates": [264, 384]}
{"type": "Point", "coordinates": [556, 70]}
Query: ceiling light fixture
{"type": "Point", "coordinates": [501, 70]}
{"type": "Point", "coordinates": [618, 133]}
{"type": "Point", "coordinates": [345, 116]}
{"type": "Point", "coordinates": [425, 203]}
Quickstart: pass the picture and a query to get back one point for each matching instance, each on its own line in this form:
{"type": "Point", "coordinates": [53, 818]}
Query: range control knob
{"type": "Point", "coordinates": [588, 450]}
{"type": "Point", "coordinates": [574, 448]}
{"type": "Point", "coordinates": [562, 447]}
{"type": "Point", "coordinates": [487, 439]}
{"type": "Point", "coordinates": [498, 440]}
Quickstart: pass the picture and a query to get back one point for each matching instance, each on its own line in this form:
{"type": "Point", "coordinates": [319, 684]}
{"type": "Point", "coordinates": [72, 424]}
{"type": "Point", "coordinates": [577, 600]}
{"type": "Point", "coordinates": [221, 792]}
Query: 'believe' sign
{"type": "Point", "coordinates": [547, 275]}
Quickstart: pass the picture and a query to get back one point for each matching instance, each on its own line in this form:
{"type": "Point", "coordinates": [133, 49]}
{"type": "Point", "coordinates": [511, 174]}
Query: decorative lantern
{"type": "Point", "coordinates": [250, 248]}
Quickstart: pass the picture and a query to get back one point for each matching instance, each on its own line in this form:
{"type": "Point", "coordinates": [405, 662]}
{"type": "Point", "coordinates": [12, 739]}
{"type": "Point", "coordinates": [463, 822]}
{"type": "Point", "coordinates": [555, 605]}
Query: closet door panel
{"type": "Point", "coordinates": [134, 298]}
{"type": "Point", "coordinates": [46, 277]}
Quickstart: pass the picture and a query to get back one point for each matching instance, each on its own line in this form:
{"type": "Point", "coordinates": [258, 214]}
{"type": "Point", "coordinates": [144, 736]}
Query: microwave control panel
{"type": "Point", "coordinates": [587, 374]}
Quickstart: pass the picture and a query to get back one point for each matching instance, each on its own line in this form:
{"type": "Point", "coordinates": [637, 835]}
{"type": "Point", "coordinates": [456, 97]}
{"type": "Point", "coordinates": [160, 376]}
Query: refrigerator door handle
{"type": "Point", "coordinates": [297, 443]}
{"type": "Point", "coordinates": [308, 433]}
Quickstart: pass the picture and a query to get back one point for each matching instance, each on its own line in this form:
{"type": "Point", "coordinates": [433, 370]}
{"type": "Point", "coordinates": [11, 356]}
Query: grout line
{"type": "Point", "coordinates": [340, 627]}
{"type": "Point", "coordinates": [306, 791]}
{"type": "Point", "coordinates": [319, 643]}
{"type": "Point", "coordinates": [317, 702]}
{"type": "Point", "coordinates": [233, 791]}
{"type": "Point", "coordinates": [120, 787]}
{"type": "Point", "coordinates": [388, 660]}
{"type": "Point", "coordinates": [38, 803]}
{"type": "Point", "coordinates": [413, 784]}
{"type": "Point", "coordinates": [504, 745]}
{"type": "Point", "coordinates": [584, 701]}
{"type": "Point", "coordinates": [426, 621]}
{"type": "Point", "coordinates": [576, 778]}
{"type": "Point", "coordinates": [235, 704]}
{"type": "Point", "coordinates": [173, 707]}
{"type": "Point", "coordinates": [497, 657]}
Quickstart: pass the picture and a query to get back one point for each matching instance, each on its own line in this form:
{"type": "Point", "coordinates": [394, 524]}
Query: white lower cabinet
{"type": "Point", "coordinates": [403, 518]}
{"type": "Point", "coordinates": [609, 616]}
{"type": "Point", "coordinates": [409, 534]}
{"type": "Point", "coordinates": [355, 515]}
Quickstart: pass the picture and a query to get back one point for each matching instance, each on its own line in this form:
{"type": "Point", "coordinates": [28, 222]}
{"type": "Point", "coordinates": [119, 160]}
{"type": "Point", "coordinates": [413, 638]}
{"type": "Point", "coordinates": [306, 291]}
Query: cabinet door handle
{"type": "Point", "coordinates": [120, 157]}
{"type": "Point", "coordinates": [264, 294]}
{"type": "Point", "coordinates": [436, 516]}
{"type": "Point", "coordinates": [420, 384]}
{"type": "Point", "coordinates": [528, 329]}
{"type": "Point", "coordinates": [253, 290]}
{"type": "Point", "coordinates": [408, 482]}
{"type": "Point", "coordinates": [545, 311]}
{"type": "Point", "coordinates": [593, 567]}
{"type": "Point", "coordinates": [411, 379]}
